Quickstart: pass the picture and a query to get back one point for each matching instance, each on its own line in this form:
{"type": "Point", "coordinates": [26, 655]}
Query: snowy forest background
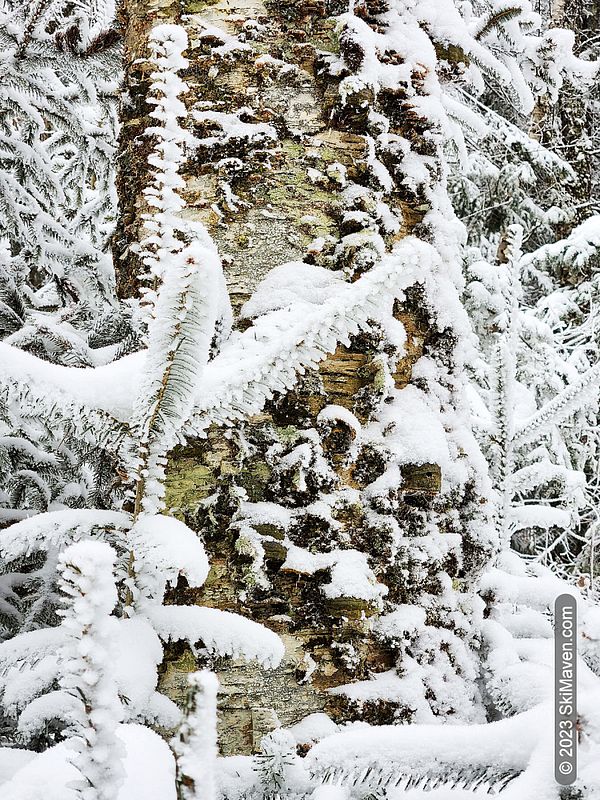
{"type": "Point", "coordinates": [430, 520]}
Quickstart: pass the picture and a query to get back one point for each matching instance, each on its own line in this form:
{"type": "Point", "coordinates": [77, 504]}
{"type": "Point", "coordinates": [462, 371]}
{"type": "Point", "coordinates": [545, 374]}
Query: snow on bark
{"type": "Point", "coordinates": [220, 632]}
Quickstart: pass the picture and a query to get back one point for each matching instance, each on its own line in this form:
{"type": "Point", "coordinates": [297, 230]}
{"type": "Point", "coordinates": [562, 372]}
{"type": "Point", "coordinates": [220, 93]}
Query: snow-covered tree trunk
{"type": "Point", "coordinates": [349, 513]}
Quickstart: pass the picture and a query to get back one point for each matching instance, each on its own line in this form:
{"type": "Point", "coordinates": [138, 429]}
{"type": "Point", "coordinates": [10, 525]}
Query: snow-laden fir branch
{"type": "Point", "coordinates": [505, 372]}
{"type": "Point", "coordinates": [285, 342]}
{"type": "Point", "coordinates": [582, 244]}
{"type": "Point", "coordinates": [388, 755]}
{"type": "Point", "coordinates": [564, 405]}
{"type": "Point", "coordinates": [195, 743]}
{"type": "Point", "coordinates": [495, 19]}
{"type": "Point", "coordinates": [93, 426]}
{"type": "Point", "coordinates": [163, 229]}
{"type": "Point", "coordinates": [184, 261]}
{"type": "Point", "coordinates": [58, 138]}
{"type": "Point", "coordinates": [222, 632]}
{"type": "Point", "coordinates": [178, 348]}
{"type": "Point", "coordinates": [506, 135]}
{"type": "Point", "coordinates": [87, 581]}
{"type": "Point", "coordinates": [58, 529]}
{"type": "Point", "coordinates": [94, 402]}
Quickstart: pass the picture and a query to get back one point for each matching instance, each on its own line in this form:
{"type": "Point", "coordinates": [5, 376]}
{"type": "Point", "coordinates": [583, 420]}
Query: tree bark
{"type": "Point", "coordinates": [267, 200]}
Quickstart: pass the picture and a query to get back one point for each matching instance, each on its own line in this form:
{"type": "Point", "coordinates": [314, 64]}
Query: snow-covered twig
{"type": "Point", "coordinates": [561, 407]}
{"type": "Point", "coordinates": [181, 257]}
{"type": "Point", "coordinates": [88, 584]}
{"type": "Point", "coordinates": [195, 744]}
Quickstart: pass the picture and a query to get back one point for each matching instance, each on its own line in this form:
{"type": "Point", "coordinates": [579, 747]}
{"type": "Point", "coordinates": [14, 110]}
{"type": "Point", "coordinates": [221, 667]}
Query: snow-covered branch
{"type": "Point", "coordinates": [182, 258]}
{"type": "Point", "coordinates": [86, 668]}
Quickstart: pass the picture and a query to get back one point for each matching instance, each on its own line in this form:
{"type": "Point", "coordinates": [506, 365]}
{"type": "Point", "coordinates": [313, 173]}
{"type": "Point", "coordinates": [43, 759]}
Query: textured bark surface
{"type": "Point", "coordinates": [268, 200]}
{"type": "Point", "coordinates": [288, 190]}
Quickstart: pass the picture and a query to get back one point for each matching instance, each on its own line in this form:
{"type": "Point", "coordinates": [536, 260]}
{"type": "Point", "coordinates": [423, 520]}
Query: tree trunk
{"type": "Point", "coordinates": [298, 181]}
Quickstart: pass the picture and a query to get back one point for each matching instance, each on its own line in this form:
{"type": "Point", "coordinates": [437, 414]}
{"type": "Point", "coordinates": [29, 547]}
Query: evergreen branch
{"type": "Point", "coordinates": [564, 405]}
{"type": "Point", "coordinates": [36, 13]}
{"type": "Point", "coordinates": [495, 20]}
{"type": "Point", "coordinates": [179, 344]}
{"type": "Point", "coordinates": [182, 312]}
{"type": "Point", "coordinates": [378, 778]}
{"type": "Point", "coordinates": [266, 359]}
{"type": "Point", "coordinates": [578, 248]}
{"type": "Point", "coordinates": [429, 755]}
{"type": "Point", "coordinates": [506, 133]}
{"type": "Point", "coordinates": [92, 425]}
{"type": "Point", "coordinates": [58, 529]}
{"type": "Point", "coordinates": [195, 743]}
